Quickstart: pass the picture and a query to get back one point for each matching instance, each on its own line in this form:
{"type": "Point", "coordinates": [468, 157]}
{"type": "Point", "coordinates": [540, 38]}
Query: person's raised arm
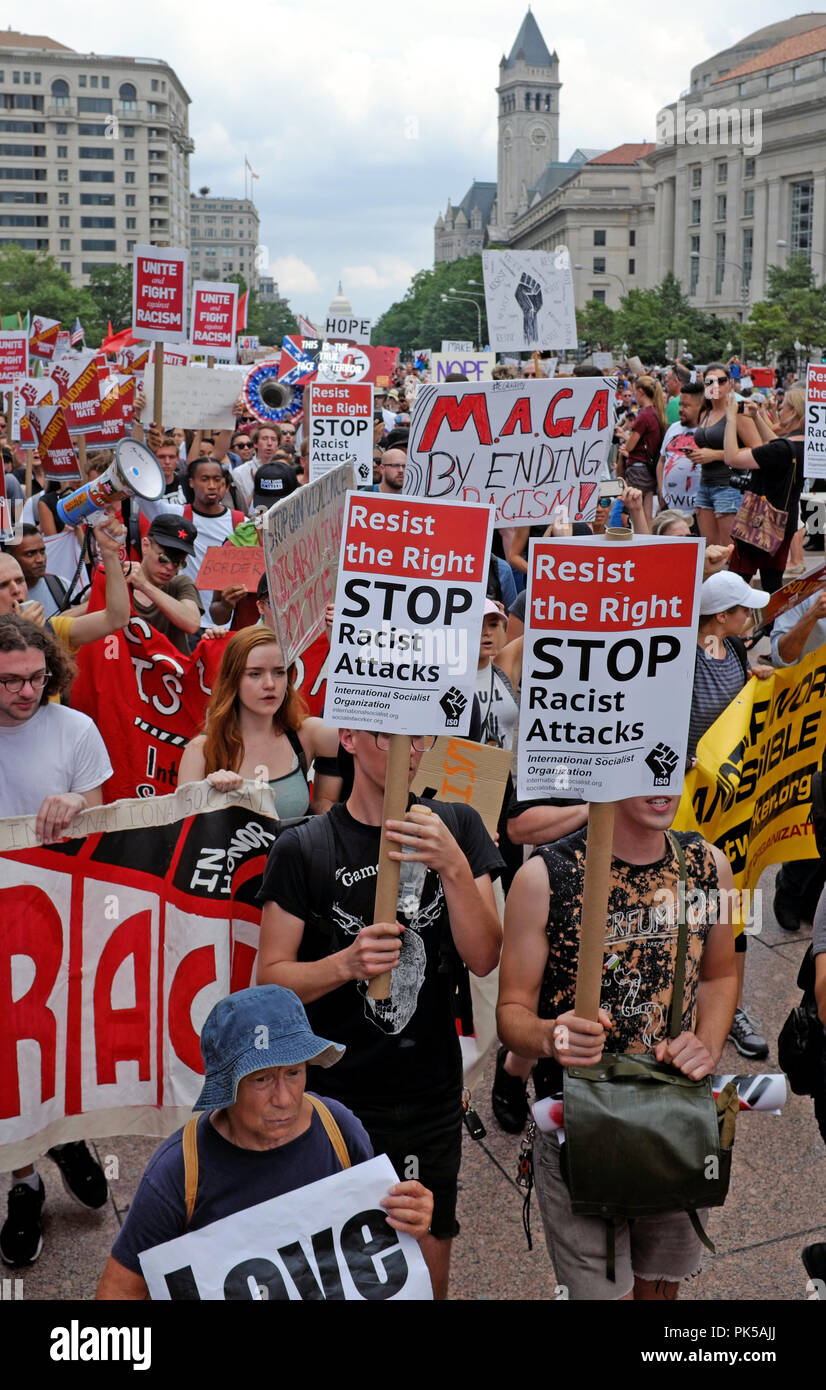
{"type": "Point", "coordinates": [90, 627]}
{"type": "Point", "coordinates": [183, 612]}
{"type": "Point", "coordinates": [540, 825]}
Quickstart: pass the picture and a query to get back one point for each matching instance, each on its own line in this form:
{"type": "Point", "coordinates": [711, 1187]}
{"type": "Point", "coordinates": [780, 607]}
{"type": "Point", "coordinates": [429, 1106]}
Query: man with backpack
{"type": "Point", "coordinates": [49, 590]}
{"type": "Point", "coordinates": [402, 1074]}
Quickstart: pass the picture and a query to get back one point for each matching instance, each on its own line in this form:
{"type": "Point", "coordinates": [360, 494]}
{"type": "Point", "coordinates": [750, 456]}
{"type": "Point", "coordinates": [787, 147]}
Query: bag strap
{"type": "Point", "coordinates": [190, 1147]}
{"type": "Point", "coordinates": [334, 1134]}
{"type": "Point", "coordinates": [298, 748]}
{"type": "Point", "coordinates": [318, 853]}
{"type": "Point", "coordinates": [682, 946]}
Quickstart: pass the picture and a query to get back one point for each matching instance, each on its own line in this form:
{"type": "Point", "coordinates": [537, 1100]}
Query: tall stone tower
{"type": "Point", "coordinates": [528, 94]}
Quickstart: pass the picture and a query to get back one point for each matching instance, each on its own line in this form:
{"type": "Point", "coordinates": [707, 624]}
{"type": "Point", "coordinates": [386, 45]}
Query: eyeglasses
{"type": "Point", "coordinates": [716, 380]}
{"type": "Point", "coordinates": [14, 684]}
{"type": "Point", "coordinates": [422, 743]}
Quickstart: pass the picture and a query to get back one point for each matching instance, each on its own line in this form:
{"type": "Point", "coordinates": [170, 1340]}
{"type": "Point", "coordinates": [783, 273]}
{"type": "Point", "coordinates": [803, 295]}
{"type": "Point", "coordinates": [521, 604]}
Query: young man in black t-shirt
{"type": "Point", "coordinates": [402, 1072]}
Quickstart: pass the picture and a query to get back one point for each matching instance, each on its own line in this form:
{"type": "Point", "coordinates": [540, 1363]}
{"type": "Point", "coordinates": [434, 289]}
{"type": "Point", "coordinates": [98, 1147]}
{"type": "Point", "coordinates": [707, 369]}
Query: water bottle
{"type": "Point", "coordinates": [411, 882]}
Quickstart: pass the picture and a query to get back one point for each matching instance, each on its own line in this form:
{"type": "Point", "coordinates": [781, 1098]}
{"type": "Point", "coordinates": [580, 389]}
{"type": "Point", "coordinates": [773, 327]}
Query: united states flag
{"type": "Point", "coordinates": [78, 333]}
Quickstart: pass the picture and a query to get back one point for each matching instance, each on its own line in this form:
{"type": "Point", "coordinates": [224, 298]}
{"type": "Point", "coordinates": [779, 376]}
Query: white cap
{"type": "Point", "coordinates": [725, 590]}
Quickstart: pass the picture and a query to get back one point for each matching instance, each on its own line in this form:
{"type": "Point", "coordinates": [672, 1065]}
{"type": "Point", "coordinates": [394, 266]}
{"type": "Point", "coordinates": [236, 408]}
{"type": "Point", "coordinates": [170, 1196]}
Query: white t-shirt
{"type": "Point", "coordinates": [57, 750]}
{"type": "Point", "coordinates": [212, 530]}
{"type": "Point", "coordinates": [681, 477]}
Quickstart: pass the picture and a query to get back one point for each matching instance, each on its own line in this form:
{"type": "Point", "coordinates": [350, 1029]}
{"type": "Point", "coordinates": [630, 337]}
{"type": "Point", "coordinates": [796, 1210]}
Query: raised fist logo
{"type": "Point", "coordinates": [528, 295]}
{"type": "Point", "coordinates": [662, 761]}
{"type": "Point", "coordinates": [453, 703]}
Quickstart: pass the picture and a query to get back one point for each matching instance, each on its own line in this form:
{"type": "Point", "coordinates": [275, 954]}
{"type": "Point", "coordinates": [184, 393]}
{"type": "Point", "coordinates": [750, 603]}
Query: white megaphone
{"type": "Point", "coordinates": [134, 472]}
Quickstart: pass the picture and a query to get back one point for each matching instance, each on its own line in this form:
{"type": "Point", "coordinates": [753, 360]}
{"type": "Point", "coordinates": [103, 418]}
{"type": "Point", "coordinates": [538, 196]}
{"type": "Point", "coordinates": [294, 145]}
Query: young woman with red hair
{"type": "Point", "coordinates": [257, 726]}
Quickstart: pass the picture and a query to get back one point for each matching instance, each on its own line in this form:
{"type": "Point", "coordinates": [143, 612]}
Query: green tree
{"type": "Point", "coordinates": [794, 310]}
{"type": "Point", "coordinates": [596, 326]}
{"type": "Point", "coordinates": [422, 319]}
{"type": "Point", "coordinates": [110, 286]}
{"type": "Point", "coordinates": [32, 280]}
{"type": "Point", "coordinates": [765, 331]}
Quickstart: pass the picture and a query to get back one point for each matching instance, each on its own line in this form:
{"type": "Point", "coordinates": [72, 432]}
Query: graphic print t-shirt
{"type": "Point", "coordinates": [407, 1044]}
{"type": "Point", "coordinates": [641, 930]}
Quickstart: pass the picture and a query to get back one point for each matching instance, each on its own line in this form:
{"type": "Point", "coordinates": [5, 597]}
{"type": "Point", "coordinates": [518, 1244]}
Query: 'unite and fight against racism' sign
{"type": "Point", "coordinates": [525, 447]}
{"type": "Point", "coordinates": [408, 615]}
{"type": "Point", "coordinates": [212, 327]}
{"type": "Point", "coordinates": [159, 301]}
{"type": "Point", "coordinates": [608, 667]}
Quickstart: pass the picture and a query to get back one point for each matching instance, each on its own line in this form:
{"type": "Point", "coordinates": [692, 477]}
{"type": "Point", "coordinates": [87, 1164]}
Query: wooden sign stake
{"type": "Point", "coordinates": [594, 908]}
{"type": "Point", "coordinates": [387, 884]}
{"type": "Point", "coordinates": [158, 406]}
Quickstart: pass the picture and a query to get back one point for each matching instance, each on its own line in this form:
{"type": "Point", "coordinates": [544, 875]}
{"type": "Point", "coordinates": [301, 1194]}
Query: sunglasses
{"type": "Point", "coordinates": [716, 380]}
{"type": "Point", "coordinates": [243, 444]}
{"type": "Point", "coordinates": [177, 560]}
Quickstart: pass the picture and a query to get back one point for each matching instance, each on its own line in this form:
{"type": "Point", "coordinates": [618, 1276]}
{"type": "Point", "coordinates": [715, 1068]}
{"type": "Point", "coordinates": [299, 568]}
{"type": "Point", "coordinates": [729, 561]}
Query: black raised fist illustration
{"type": "Point", "coordinates": [662, 761]}
{"type": "Point", "coordinates": [528, 295]}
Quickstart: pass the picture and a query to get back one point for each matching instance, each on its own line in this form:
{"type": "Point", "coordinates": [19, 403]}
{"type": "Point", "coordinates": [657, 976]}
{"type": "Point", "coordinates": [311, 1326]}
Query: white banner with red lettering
{"type": "Point", "coordinates": [114, 947]}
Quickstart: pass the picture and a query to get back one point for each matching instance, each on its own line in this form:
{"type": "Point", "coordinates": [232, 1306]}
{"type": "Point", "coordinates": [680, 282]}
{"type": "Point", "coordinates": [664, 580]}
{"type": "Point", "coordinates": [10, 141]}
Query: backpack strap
{"type": "Point", "coordinates": [317, 848]}
{"type": "Point", "coordinates": [334, 1134]}
{"type": "Point", "coordinates": [298, 748]}
{"type": "Point", "coordinates": [682, 946]}
{"type": "Point", "coordinates": [190, 1147]}
{"type": "Point", "coordinates": [56, 588]}
{"type": "Point", "coordinates": [739, 647]}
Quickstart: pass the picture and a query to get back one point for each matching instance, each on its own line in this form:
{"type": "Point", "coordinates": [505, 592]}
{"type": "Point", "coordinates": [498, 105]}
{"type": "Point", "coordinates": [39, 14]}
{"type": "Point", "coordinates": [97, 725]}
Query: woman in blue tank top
{"type": "Point", "coordinates": [257, 726]}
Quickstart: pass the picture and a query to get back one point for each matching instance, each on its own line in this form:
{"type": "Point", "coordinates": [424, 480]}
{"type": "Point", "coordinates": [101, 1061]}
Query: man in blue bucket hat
{"type": "Point", "coordinates": [259, 1135]}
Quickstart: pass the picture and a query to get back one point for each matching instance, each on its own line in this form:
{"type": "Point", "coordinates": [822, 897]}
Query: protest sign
{"type": "Point", "coordinates": [159, 300]}
{"type": "Point", "coordinates": [603, 360]}
{"type": "Point", "coordinates": [790, 595]}
{"type": "Point", "coordinates": [6, 515]}
{"type": "Point", "coordinates": [327, 1240]}
{"type": "Point", "coordinates": [341, 429]}
{"type": "Point", "coordinates": [301, 540]}
{"type": "Point", "coordinates": [529, 297]}
{"type": "Point", "coordinates": [115, 946]}
{"type": "Point", "coordinates": [43, 337]}
{"type": "Point", "coordinates": [525, 447]}
{"type": "Point", "coordinates": [134, 359]}
{"type": "Point", "coordinates": [54, 443]}
{"type": "Point", "coordinates": [248, 343]}
{"type": "Point", "coordinates": [815, 457]}
{"type": "Point", "coordinates": [348, 327]}
{"type": "Point", "coordinates": [176, 356]}
{"type": "Point", "coordinates": [343, 362]}
{"type": "Point", "coordinates": [681, 477]}
{"type": "Point", "coordinates": [408, 616]}
{"type": "Point", "coordinates": [751, 791]}
{"type": "Point", "coordinates": [456, 345]}
{"type": "Point", "coordinates": [14, 356]}
{"type": "Point", "coordinates": [196, 399]}
{"type": "Point", "coordinates": [476, 366]}
{"type": "Point", "coordinates": [212, 326]}
{"type": "Point", "coordinates": [78, 386]}
{"type": "Point", "coordinates": [476, 774]}
{"type": "Point", "coordinates": [223, 565]}
{"type": "Point", "coordinates": [29, 391]}
{"type": "Point", "coordinates": [117, 395]}
{"type": "Point", "coordinates": [609, 626]}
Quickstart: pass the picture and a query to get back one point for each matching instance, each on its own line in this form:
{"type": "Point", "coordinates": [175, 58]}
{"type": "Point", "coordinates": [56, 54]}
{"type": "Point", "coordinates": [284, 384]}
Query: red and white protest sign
{"type": "Point", "coordinates": [76, 379]}
{"type": "Point", "coordinates": [815, 460]}
{"type": "Point", "coordinates": [341, 429]}
{"type": "Point", "coordinates": [117, 397]}
{"type": "Point", "coordinates": [135, 358]}
{"type": "Point", "coordinates": [43, 337]}
{"type": "Point", "coordinates": [29, 391]}
{"type": "Point", "coordinates": [54, 443]}
{"type": "Point", "coordinates": [212, 327]}
{"type": "Point", "coordinates": [347, 363]}
{"type": "Point", "coordinates": [408, 614]}
{"type": "Point", "coordinates": [6, 518]}
{"type": "Point", "coordinates": [608, 666]}
{"type": "Point", "coordinates": [177, 356]}
{"type": "Point", "coordinates": [159, 299]}
{"type": "Point", "coordinates": [14, 356]}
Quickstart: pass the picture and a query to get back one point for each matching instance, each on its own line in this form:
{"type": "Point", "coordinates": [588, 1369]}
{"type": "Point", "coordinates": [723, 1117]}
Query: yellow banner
{"type": "Point", "coordinates": [751, 791]}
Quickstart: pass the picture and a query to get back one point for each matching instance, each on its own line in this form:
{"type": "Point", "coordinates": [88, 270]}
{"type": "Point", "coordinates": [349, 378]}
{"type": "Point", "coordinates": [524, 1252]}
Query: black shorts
{"type": "Point", "coordinates": [423, 1139]}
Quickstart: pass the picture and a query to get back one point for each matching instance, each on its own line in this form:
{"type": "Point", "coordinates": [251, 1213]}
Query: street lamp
{"type": "Point", "coordinates": [783, 244]}
{"type": "Point", "coordinates": [468, 299]}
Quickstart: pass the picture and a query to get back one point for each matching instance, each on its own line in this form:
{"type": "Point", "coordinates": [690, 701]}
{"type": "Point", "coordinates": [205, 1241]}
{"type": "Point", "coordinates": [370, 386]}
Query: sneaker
{"type": "Point", "coordinates": [21, 1238]}
{"type": "Point", "coordinates": [82, 1175]}
{"type": "Point", "coordinates": [786, 916]}
{"type": "Point", "coordinates": [509, 1097]}
{"type": "Point", "coordinates": [746, 1037]}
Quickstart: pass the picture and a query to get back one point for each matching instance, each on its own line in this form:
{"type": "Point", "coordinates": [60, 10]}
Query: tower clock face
{"type": "Point", "coordinates": [539, 136]}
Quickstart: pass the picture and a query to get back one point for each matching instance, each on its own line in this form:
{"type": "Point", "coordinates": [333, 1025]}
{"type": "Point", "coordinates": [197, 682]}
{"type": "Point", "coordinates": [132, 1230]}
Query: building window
{"type": "Point", "coordinates": [131, 224]}
{"type": "Point", "coordinates": [62, 198]}
{"type": "Point", "coordinates": [104, 82]}
{"type": "Point", "coordinates": [802, 206]}
{"type": "Point", "coordinates": [599, 265]}
{"type": "Point", "coordinates": [154, 84]}
{"type": "Point", "coordinates": [130, 200]}
{"type": "Point", "coordinates": [694, 264]}
{"type": "Point", "coordinates": [89, 104]}
{"type": "Point", "coordinates": [748, 202]}
{"type": "Point", "coordinates": [16, 78]}
{"type": "Point", "coordinates": [98, 246]}
{"type": "Point", "coordinates": [632, 267]}
{"type": "Point", "coordinates": [130, 245]}
{"type": "Point", "coordinates": [63, 221]}
{"type": "Point", "coordinates": [721, 207]}
{"type": "Point", "coordinates": [67, 266]}
{"type": "Point", "coordinates": [599, 238]}
{"type": "Point", "coordinates": [97, 200]}
{"type": "Point", "coordinates": [632, 238]}
{"type": "Point", "coordinates": [63, 175]}
{"type": "Point", "coordinates": [748, 253]}
{"type": "Point", "coordinates": [128, 132]}
{"type": "Point", "coordinates": [92, 175]}
{"type": "Point", "coordinates": [65, 244]}
{"type": "Point", "coordinates": [599, 296]}
{"type": "Point", "coordinates": [60, 91]}
{"type": "Point", "coordinates": [748, 169]}
{"type": "Point", "coordinates": [93, 82]}
{"type": "Point", "coordinates": [722, 170]}
{"type": "Point", "coordinates": [81, 81]}
{"type": "Point", "coordinates": [129, 154]}
{"type": "Point", "coordinates": [695, 211]}
{"type": "Point", "coordinates": [27, 79]}
{"type": "Point", "coordinates": [96, 152]}
{"type": "Point", "coordinates": [129, 176]}
{"type": "Point", "coordinates": [100, 223]}
{"type": "Point", "coordinates": [719, 261]}
{"type": "Point", "coordinates": [61, 128]}
{"type": "Point", "coordinates": [37, 79]}
{"type": "Point", "coordinates": [63, 151]}
{"type": "Point", "coordinates": [128, 95]}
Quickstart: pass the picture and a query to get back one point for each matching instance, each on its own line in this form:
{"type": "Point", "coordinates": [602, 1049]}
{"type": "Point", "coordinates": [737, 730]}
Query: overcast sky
{"type": "Point", "coordinates": [362, 119]}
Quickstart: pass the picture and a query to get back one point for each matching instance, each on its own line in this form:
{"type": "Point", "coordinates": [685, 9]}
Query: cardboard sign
{"type": "Point", "coordinates": [212, 327]}
{"type": "Point", "coordinates": [603, 360]}
{"type": "Point", "coordinates": [476, 774]}
{"type": "Point", "coordinates": [223, 565]}
{"type": "Point", "coordinates": [14, 356]}
{"type": "Point", "coordinates": [476, 366]}
{"type": "Point", "coordinates": [329, 1240]}
{"type": "Point", "coordinates": [792, 594]}
{"type": "Point", "coordinates": [301, 539]}
{"type": "Point", "coordinates": [525, 447]}
{"type": "Point", "coordinates": [196, 399]}
{"type": "Point", "coordinates": [348, 328]}
{"type": "Point", "coordinates": [608, 667]}
{"type": "Point", "coordinates": [159, 299]}
{"type": "Point", "coordinates": [43, 337]}
{"type": "Point", "coordinates": [78, 384]}
{"type": "Point", "coordinates": [408, 616]}
{"type": "Point", "coordinates": [815, 457]}
{"type": "Point", "coordinates": [341, 429]}
{"type": "Point", "coordinates": [54, 443]}
{"type": "Point", "coordinates": [681, 477]}
{"type": "Point", "coordinates": [456, 345]}
{"type": "Point", "coordinates": [529, 297]}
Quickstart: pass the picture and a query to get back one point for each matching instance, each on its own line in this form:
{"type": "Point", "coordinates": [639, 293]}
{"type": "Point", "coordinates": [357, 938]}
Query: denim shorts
{"type": "Point", "coordinates": [718, 498]}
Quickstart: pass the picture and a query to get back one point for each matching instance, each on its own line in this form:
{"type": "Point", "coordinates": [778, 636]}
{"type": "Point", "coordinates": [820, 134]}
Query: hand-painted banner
{"type": "Point", "coordinates": [526, 447]}
{"type": "Point", "coordinates": [476, 366]}
{"type": "Point", "coordinates": [329, 1240]}
{"type": "Point", "coordinates": [114, 948]}
{"type": "Point", "coordinates": [301, 539]}
{"type": "Point", "coordinates": [456, 769]}
{"type": "Point", "coordinates": [751, 791]}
